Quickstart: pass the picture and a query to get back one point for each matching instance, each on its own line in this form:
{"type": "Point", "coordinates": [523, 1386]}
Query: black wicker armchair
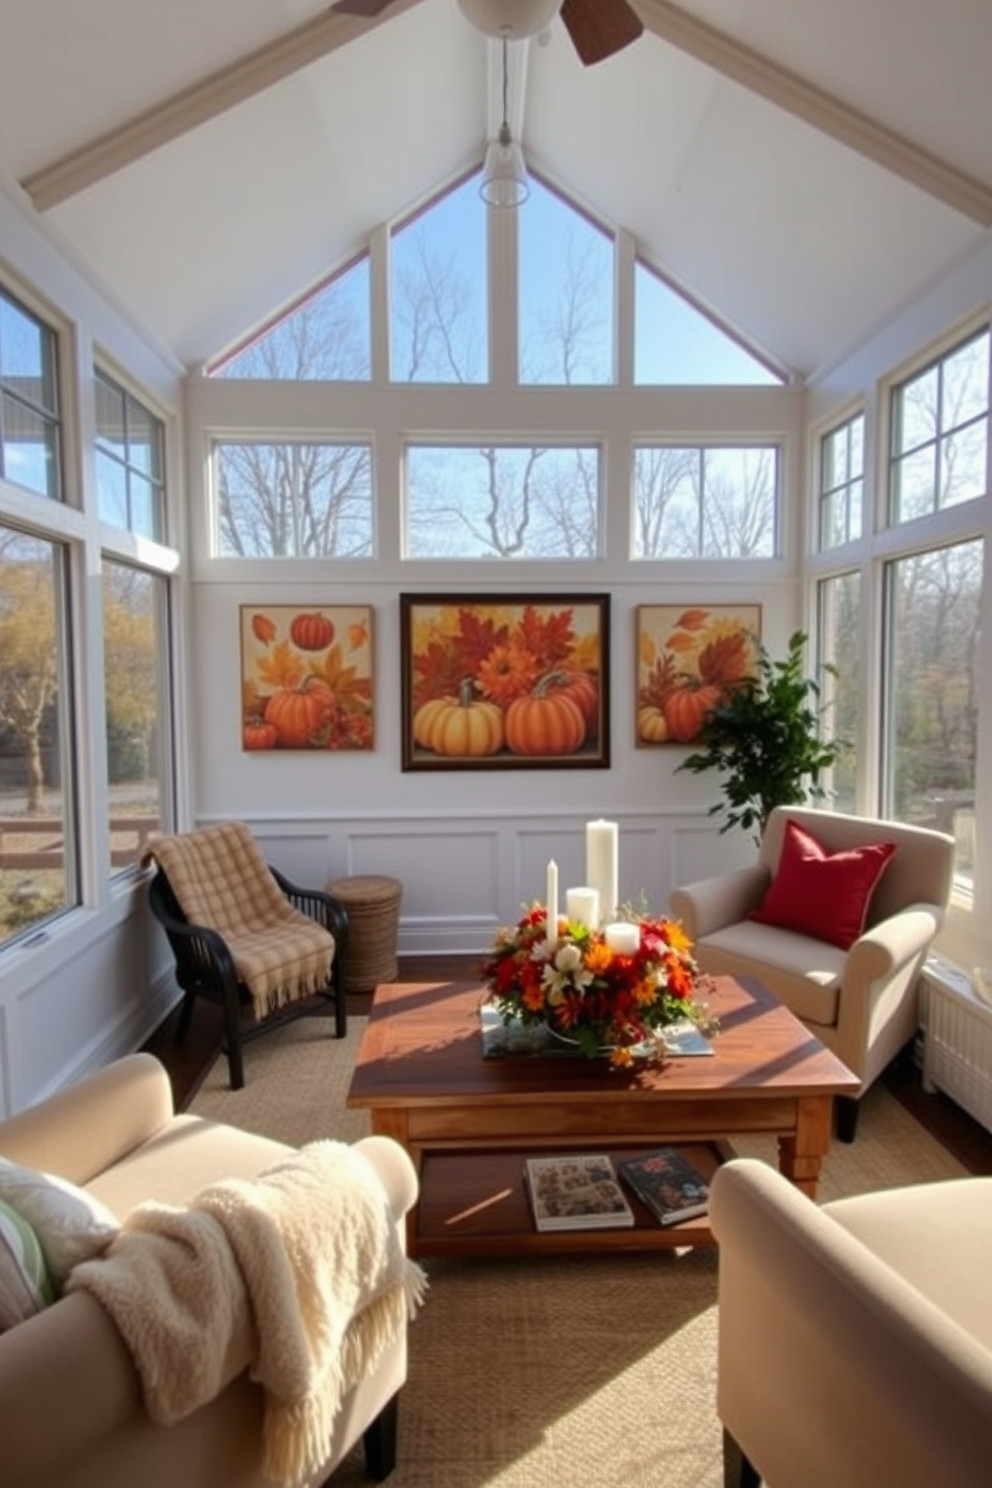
{"type": "Point", "coordinates": [205, 968]}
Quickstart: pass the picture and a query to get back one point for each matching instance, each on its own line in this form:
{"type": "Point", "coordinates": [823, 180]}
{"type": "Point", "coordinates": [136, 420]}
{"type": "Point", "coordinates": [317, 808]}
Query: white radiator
{"type": "Point", "coordinates": [957, 1046]}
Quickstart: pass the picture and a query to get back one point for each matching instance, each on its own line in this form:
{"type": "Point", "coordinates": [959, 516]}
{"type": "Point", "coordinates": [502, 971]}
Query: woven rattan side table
{"type": "Point", "coordinates": [373, 905]}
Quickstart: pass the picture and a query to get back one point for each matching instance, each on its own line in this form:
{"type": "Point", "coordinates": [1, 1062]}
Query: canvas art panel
{"type": "Point", "coordinates": [306, 677]}
{"type": "Point", "coordinates": [505, 682]}
{"type": "Point", "coordinates": [687, 658]}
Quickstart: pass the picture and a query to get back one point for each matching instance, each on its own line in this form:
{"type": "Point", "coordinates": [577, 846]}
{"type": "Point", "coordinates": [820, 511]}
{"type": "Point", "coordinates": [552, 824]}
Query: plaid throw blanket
{"type": "Point", "coordinates": [298, 1274]}
{"type": "Point", "coordinates": [222, 882]}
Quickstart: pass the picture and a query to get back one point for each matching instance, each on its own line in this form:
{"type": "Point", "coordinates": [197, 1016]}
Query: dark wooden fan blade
{"type": "Point", "coordinates": [599, 28]}
{"type": "Point", "coordinates": [366, 8]}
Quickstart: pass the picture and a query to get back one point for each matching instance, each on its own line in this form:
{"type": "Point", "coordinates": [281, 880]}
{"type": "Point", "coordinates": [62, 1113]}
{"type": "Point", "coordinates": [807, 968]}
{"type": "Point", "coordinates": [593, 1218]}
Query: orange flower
{"type": "Point", "coordinates": [533, 998]}
{"type": "Point", "coordinates": [508, 672]}
{"type": "Point", "coordinates": [677, 937]}
{"type": "Point", "coordinates": [598, 958]}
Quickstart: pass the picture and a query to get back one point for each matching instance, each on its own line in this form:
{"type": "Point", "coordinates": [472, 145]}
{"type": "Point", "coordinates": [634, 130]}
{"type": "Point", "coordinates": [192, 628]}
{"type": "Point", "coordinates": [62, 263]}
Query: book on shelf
{"type": "Point", "coordinates": [576, 1192]}
{"type": "Point", "coordinates": [668, 1183]}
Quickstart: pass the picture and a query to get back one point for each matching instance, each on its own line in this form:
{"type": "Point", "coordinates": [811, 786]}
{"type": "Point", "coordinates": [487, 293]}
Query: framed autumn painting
{"type": "Point", "coordinates": [306, 677]}
{"type": "Point", "coordinates": [687, 657]}
{"type": "Point", "coordinates": [498, 682]}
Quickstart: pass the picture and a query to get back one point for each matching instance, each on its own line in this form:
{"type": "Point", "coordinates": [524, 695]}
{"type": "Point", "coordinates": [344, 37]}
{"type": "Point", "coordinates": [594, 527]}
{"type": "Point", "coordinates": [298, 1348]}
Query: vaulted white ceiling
{"type": "Point", "coordinates": [804, 168]}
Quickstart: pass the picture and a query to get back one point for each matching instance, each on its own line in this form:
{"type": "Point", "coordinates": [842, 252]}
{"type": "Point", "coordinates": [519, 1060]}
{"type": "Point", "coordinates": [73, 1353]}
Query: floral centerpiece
{"type": "Point", "coordinates": [584, 990]}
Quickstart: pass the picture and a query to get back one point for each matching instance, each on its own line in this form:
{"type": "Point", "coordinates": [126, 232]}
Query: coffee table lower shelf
{"type": "Point", "coordinates": [473, 1203]}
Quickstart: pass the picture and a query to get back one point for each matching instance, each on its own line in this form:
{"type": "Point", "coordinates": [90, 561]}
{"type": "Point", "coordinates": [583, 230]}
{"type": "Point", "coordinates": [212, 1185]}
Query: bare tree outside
{"type": "Point", "coordinates": [438, 301]}
{"type": "Point", "coordinates": [502, 501]}
{"type": "Point", "coordinates": [567, 269]}
{"type": "Point", "coordinates": [705, 502]}
{"type": "Point", "coordinates": [933, 604]}
{"type": "Point", "coordinates": [838, 658]}
{"type": "Point", "coordinates": [940, 433]}
{"type": "Point", "coordinates": [293, 500]}
{"type": "Point", "coordinates": [326, 338]}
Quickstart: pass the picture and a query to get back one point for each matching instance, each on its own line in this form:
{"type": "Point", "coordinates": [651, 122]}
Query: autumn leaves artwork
{"type": "Point", "coordinates": [687, 659]}
{"type": "Point", "coordinates": [487, 681]}
{"type": "Point", "coordinates": [306, 677]}
{"type": "Point", "coordinates": [490, 683]}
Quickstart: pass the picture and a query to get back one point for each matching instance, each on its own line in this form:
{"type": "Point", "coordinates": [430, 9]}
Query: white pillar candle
{"type": "Point", "coordinates": [582, 906]}
{"type": "Point", "coordinates": [552, 905]}
{"type": "Point", "coordinates": [602, 865]}
{"type": "Point", "coordinates": [623, 937]}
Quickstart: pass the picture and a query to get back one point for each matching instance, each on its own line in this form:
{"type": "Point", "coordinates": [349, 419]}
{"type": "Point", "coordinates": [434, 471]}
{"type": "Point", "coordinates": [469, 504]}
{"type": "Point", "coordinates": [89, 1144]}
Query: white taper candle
{"type": "Point", "coordinates": [551, 899]}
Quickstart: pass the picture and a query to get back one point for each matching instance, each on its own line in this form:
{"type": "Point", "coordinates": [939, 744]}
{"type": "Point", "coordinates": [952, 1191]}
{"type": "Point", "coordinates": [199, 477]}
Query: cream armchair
{"type": "Point", "coordinates": [863, 1002]}
{"type": "Point", "coordinates": [70, 1396]}
{"type": "Point", "coordinates": [854, 1339]}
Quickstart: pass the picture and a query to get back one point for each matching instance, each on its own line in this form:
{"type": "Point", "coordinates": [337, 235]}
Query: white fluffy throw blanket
{"type": "Point", "coordinates": [298, 1274]}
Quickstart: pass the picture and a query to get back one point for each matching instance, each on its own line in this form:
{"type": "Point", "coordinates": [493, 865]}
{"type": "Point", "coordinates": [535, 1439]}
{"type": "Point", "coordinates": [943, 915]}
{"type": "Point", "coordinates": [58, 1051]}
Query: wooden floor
{"type": "Point", "coordinates": [189, 1062]}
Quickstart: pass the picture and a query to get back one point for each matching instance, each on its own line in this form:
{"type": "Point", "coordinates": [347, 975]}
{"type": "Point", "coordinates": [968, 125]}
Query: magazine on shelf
{"type": "Point", "coordinates": [576, 1192]}
{"type": "Point", "coordinates": [667, 1182]}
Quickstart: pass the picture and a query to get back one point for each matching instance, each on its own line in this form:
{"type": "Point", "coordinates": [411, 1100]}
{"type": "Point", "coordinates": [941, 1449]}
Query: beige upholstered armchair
{"type": "Point", "coordinates": [861, 1000]}
{"type": "Point", "coordinates": [854, 1339]}
{"type": "Point", "coordinates": [74, 1395]}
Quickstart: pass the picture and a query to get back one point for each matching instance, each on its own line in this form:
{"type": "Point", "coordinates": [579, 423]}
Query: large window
{"type": "Point", "coordinates": [134, 629]}
{"type": "Point", "coordinates": [709, 502]}
{"type": "Point", "coordinates": [933, 601]}
{"type": "Point", "coordinates": [293, 500]}
{"type": "Point", "coordinates": [676, 343]}
{"type": "Point", "coordinates": [842, 483]}
{"type": "Point", "coordinates": [130, 461]}
{"type": "Point", "coordinates": [503, 501]}
{"type": "Point", "coordinates": [839, 629]}
{"type": "Point", "coordinates": [567, 293]}
{"type": "Point", "coordinates": [37, 858]}
{"type": "Point", "coordinates": [327, 337]}
{"type": "Point", "coordinates": [940, 425]}
{"type": "Point", "coordinates": [29, 404]}
{"type": "Point", "coordinates": [438, 318]}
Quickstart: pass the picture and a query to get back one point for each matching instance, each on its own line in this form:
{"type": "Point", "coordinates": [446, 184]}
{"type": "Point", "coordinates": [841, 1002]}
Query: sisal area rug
{"type": "Point", "coordinates": [573, 1372]}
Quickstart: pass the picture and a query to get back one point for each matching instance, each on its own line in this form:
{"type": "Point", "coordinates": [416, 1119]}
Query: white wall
{"type": "Point", "coordinates": [470, 846]}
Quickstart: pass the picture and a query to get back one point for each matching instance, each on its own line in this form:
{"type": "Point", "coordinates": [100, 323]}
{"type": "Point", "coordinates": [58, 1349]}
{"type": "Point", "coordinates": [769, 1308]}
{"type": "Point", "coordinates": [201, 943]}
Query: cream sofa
{"type": "Point", "coordinates": [69, 1395]}
{"type": "Point", "coordinates": [854, 1339]}
{"type": "Point", "coordinates": [863, 1003]}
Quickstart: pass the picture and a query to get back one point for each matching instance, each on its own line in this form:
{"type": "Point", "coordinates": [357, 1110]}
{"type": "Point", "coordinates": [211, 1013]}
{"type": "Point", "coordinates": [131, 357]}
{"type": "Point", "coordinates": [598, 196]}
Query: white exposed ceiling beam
{"type": "Point", "coordinates": [202, 101]}
{"type": "Point", "coordinates": [971, 197]}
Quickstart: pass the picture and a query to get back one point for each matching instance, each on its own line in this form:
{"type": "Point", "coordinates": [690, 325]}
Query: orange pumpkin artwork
{"type": "Point", "coordinates": [491, 682]}
{"type": "Point", "coordinates": [306, 678]}
{"type": "Point", "coordinates": [688, 658]}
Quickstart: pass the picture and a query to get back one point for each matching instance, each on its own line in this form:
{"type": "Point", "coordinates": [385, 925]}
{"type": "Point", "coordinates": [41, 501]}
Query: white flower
{"type": "Point", "coordinates": [540, 951]}
{"type": "Point", "coordinates": [555, 982]}
{"type": "Point", "coordinates": [568, 958]}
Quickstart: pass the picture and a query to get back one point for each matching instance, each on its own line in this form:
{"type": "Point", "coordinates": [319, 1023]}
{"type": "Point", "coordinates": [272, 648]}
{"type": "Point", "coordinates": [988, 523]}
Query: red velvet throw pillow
{"type": "Point", "coordinates": [820, 893]}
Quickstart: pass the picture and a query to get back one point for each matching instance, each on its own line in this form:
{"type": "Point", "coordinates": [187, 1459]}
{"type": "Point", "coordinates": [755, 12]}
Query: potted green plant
{"type": "Point", "coordinates": [765, 737]}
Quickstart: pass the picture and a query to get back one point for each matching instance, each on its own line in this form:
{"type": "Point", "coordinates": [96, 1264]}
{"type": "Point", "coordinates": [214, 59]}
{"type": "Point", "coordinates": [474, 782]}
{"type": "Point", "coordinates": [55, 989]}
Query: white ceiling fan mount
{"type": "Point", "coordinates": [597, 28]}
{"type": "Point", "coordinates": [514, 19]}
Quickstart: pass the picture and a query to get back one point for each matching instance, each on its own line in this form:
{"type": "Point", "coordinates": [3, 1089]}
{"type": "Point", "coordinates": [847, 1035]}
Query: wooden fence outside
{"type": "Point", "coordinates": [49, 853]}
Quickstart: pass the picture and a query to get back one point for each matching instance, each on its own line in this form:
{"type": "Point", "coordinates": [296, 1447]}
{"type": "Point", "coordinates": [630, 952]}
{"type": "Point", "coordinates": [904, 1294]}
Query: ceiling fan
{"type": "Point", "coordinates": [597, 28]}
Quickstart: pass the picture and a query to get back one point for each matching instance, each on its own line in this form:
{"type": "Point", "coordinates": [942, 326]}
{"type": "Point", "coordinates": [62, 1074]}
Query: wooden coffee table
{"type": "Point", "coordinates": [469, 1122]}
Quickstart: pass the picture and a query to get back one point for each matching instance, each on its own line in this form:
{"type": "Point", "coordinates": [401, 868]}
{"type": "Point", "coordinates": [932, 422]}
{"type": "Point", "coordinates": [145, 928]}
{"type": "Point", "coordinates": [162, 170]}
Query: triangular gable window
{"type": "Point", "coordinates": [325, 337]}
{"type": "Point", "coordinates": [675, 343]}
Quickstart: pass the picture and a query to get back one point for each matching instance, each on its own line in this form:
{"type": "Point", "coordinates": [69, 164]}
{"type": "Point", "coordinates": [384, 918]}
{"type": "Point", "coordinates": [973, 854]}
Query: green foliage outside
{"type": "Point", "coordinates": [765, 739]}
